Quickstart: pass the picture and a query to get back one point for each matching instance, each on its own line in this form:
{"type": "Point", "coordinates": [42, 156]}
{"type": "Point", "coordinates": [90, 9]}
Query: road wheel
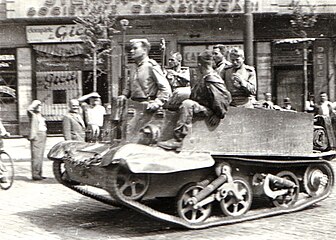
{"type": "Point", "coordinates": [186, 210]}
{"type": "Point", "coordinates": [230, 205]}
{"type": "Point", "coordinates": [128, 185]}
{"type": "Point", "coordinates": [318, 180]}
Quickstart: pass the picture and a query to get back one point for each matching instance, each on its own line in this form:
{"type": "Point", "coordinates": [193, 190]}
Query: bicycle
{"type": "Point", "coordinates": [6, 169]}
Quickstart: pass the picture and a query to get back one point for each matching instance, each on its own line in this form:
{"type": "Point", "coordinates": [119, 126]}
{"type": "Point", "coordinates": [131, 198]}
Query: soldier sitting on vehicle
{"type": "Point", "coordinates": [220, 53]}
{"type": "Point", "coordinates": [240, 80]}
{"type": "Point", "coordinates": [149, 83]}
{"type": "Point", "coordinates": [209, 98]}
{"type": "Point", "coordinates": [179, 80]}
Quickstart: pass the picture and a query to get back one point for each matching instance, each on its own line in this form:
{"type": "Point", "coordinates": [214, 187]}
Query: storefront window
{"type": "Point", "coordinates": [8, 87]}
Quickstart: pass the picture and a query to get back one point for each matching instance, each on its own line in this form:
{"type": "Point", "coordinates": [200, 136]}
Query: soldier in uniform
{"type": "Point", "coordinates": [179, 80]}
{"type": "Point", "coordinates": [209, 98]}
{"type": "Point", "coordinates": [240, 80]}
{"type": "Point", "coordinates": [149, 83]}
{"type": "Point", "coordinates": [219, 52]}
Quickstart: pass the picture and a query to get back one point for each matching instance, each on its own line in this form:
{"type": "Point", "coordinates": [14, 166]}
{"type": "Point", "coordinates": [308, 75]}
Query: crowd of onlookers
{"type": "Point", "coordinates": [322, 107]}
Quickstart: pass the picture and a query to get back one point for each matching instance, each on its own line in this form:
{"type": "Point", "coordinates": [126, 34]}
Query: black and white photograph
{"type": "Point", "coordinates": [167, 119]}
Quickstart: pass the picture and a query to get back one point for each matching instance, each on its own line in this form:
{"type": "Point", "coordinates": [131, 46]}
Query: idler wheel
{"type": "Point", "coordinates": [60, 173]}
{"type": "Point", "coordinates": [317, 180]}
{"type": "Point", "coordinates": [320, 139]}
{"type": "Point", "coordinates": [186, 209]}
{"type": "Point", "coordinates": [128, 185]}
{"type": "Point", "coordinates": [233, 205]}
{"type": "Point", "coordinates": [292, 195]}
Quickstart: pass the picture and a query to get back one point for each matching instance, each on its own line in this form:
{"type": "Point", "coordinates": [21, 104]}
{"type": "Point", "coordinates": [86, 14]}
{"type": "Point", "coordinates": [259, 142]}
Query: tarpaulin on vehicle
{"type": "Point", "coordinates": [146, 159]}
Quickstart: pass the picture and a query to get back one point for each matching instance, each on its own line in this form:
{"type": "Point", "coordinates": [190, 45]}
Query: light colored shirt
{"type": "Point", "coordinates": [42, 127]}
{"type": "Point", "coordinates": [325, 108]}
{"type": "Point", "coordinates": [95, 115]}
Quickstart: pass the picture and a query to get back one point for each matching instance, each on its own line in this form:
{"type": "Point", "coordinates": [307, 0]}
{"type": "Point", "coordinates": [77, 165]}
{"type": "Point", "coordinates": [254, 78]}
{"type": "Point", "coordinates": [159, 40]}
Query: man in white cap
{"type": "Point", "coordinates": [149, 83]}
{"type": "Point", "coordinates": [73, 123]}
{"type": "Point", "coordinates": [37, 137]}
{"type": "Point", "coordinates": [94, 115]}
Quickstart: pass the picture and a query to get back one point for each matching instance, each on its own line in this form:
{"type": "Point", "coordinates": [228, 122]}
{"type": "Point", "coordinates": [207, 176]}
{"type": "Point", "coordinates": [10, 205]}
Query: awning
{"type": "Point", "coordinates": [62, 50]}
{"type": "Point", "coordinates": [294, 40]}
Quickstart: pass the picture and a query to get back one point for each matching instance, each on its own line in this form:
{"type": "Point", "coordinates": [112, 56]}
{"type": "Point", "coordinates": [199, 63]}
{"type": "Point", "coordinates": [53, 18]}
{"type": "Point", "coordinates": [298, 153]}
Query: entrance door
{"type": "Point", "coordinates": [289, 83]}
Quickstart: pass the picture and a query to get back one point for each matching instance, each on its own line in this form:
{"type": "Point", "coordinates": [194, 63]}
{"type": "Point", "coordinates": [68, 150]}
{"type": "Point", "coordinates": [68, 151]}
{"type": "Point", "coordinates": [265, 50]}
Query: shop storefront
{"type": "Point", "coordinates": [8, 90]}
{"type": "Point", "coordinates": [62, 70]}
{"type": "Point", "coordinates": [52, 64]}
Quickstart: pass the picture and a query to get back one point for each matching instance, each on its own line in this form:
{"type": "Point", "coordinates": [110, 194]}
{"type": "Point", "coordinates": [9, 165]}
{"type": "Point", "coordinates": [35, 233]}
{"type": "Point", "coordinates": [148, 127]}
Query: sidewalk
{"type": "Point", "coordinates": [19, 148]}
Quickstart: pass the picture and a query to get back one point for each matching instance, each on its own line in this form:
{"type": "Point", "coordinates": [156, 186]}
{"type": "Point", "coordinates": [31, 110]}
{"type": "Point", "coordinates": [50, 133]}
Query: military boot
{"type": "Point", "coordinates": [171, 144]}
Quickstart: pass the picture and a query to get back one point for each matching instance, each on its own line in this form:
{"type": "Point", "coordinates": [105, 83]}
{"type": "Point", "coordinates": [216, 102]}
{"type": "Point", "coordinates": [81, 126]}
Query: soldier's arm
{"type": "Point", "coordinates": [164, 89]}
{"type": "Point", "coordinates": [220, 98]}
{"type": "Point", "coordinates": [250, 84]}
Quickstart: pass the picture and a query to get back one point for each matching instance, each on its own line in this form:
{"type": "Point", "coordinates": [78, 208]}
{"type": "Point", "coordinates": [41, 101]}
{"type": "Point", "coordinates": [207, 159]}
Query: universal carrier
{"type": "Point", "coordinates": [255, 163]}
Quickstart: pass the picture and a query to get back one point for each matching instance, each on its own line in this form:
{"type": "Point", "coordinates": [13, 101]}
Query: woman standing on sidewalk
{"type": "Point", "coordinates": [37, 137]}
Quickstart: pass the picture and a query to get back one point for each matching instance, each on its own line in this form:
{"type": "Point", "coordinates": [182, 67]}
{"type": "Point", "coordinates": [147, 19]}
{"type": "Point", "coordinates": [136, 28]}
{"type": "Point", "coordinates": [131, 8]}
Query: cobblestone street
{"type": "Point", "coordinates": [48, 210]}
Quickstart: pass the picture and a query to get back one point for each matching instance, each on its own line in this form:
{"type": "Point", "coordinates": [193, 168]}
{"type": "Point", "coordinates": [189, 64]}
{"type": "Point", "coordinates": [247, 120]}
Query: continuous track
{"type": "Point", "coordinates": [118, 199]}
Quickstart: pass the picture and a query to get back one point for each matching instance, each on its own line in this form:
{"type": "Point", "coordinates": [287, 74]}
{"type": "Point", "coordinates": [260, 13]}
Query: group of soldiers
{"type": "Point", "coordinates": [222, 83]}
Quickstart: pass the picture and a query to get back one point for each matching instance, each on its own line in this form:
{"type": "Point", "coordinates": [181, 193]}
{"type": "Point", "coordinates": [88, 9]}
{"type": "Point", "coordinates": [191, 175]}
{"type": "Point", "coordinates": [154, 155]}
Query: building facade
{"type": "Point", "coordinates": [42, 55]}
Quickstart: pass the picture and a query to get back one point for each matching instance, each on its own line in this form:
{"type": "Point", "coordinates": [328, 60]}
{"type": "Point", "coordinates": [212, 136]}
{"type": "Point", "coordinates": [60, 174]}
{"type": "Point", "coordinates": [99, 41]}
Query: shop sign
{"type": "Point", "coordinates": [284, 54]}
{"type": "Point", "coordinates": [73, 8]}
{"type": "Point", "coordinates": [54, 33]}
{"type": "Point", "coordinates": [7, 62]}
{"type": "Point", "coordinates": [190, 53]}
{"type": "Point", "coordinates": [321, 80]}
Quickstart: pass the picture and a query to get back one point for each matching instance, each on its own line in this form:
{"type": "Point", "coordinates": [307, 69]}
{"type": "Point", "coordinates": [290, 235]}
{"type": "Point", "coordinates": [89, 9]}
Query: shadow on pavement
{"type": "Point", "coordinates": [90, 219]}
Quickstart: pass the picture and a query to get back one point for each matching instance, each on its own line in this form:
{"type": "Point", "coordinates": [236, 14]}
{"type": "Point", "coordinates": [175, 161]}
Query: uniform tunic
{"type": "Point", "coordinates": [241, 92]}
{"type": "Point", "coordinates": [149, 82]}
{"type": "Point", "coordinates": [208, 97]}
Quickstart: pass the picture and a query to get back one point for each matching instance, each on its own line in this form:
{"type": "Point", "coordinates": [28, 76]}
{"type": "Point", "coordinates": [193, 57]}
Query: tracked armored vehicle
{"type": "Point", "coordinates": [255, 163]}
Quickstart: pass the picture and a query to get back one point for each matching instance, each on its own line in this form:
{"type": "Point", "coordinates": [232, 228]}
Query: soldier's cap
{"type": "Point", "coordinates": [176, 55]}
{"type": "Point", "coordinates": [222, 48]}
{"type": "Point", "coordinates": [94, 95]}
{"type": "Point", "coordinates": [287, 100]}
{"type": "Point", "coordinates": [205, 56]}
{"type": "Point", "coordinates": [33, 106]}
{"type": "Point", "coordinates": [36, 103]}
{"type": "Point", "coordinates": [237, 52]}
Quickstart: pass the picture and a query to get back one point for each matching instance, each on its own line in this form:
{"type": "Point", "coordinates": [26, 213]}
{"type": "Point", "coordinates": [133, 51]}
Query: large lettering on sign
{"type": "Point", "coordinates": [321, 78]}
{"type": "Point", "coordinates": [73, 8]}
{"type": "Point", "coordinates": [54, 33]}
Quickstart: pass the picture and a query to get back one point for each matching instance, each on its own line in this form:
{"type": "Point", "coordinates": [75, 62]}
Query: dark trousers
{"type": "Point", "coordinates": [37, 151]}
{"type": "Point", "coordinates": [188, 109]}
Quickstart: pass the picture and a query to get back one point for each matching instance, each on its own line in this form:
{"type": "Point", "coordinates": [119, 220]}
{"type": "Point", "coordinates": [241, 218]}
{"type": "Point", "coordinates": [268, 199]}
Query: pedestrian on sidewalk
{"type": "Point", "coordinates": [73, 123]}
{"type": "Point", "coordinates": [94, 115]}
{"type": "Point", "coordinates": [37, 137]}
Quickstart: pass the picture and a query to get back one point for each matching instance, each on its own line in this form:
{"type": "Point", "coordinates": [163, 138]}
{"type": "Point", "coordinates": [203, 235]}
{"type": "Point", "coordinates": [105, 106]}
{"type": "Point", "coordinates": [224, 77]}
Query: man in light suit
{"type": "Point", "coordinates": [37, 137]}
{"type": "Point", "coordinates": [73, 124]}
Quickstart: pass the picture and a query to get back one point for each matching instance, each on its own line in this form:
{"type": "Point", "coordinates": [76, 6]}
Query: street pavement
{"type": "Point", "coordinates": [33, 210]}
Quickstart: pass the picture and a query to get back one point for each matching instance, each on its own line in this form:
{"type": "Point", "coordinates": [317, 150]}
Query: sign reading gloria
{"type": "Point", "coordinates": [73, 8]}
{"type": "Point", "coordinates": [54, 33]}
